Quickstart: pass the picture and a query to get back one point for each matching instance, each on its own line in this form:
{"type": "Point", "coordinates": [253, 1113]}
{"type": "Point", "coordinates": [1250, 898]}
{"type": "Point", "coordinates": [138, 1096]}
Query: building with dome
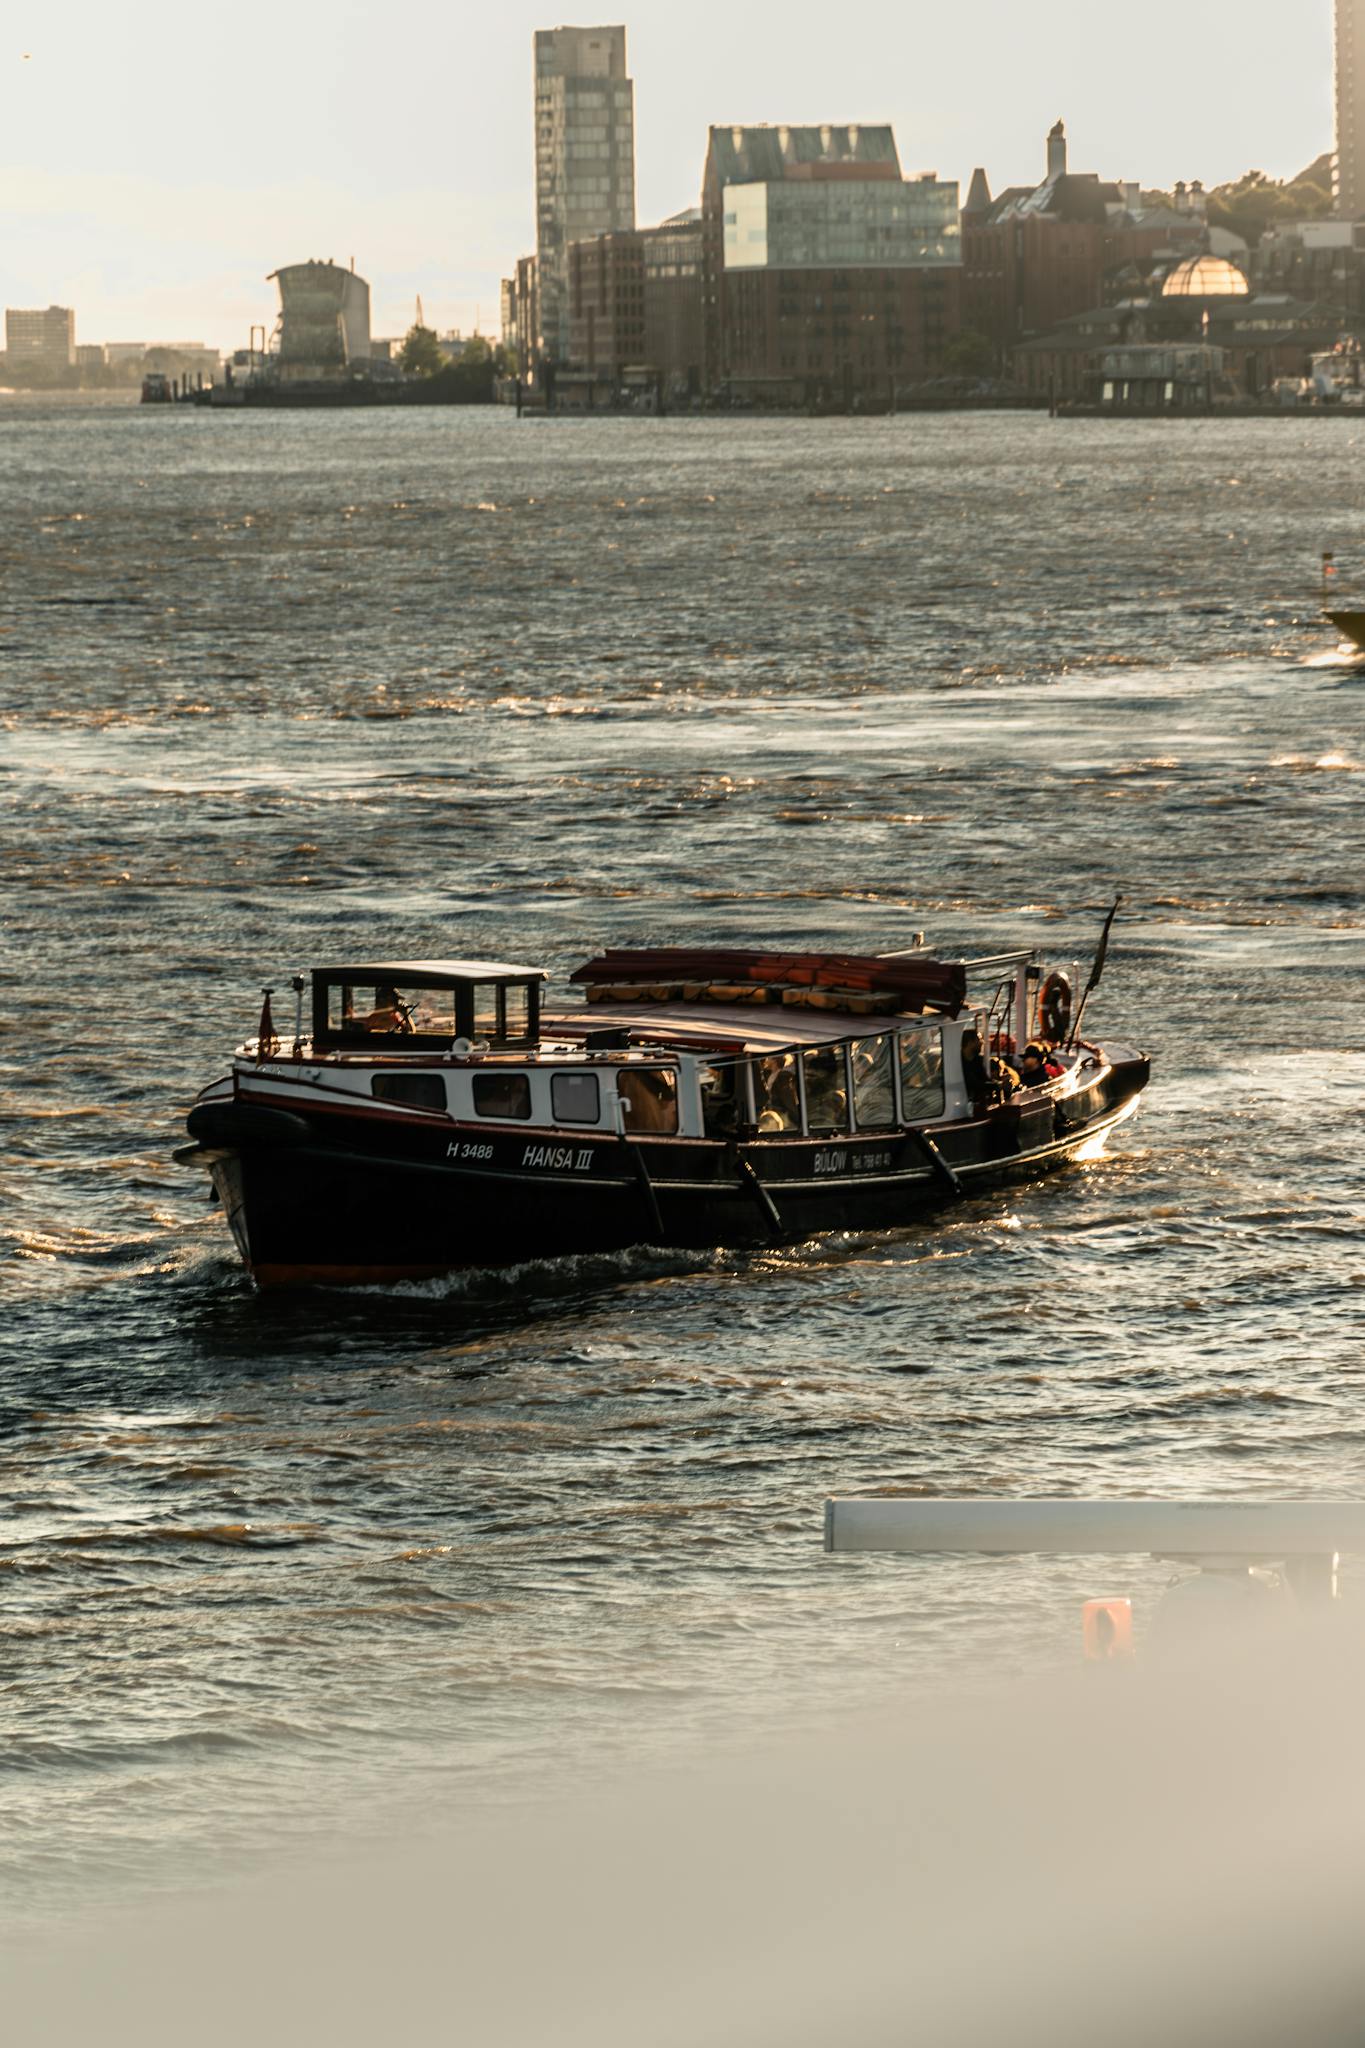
{"type": "Point", "coordinates": [1205, 277]}
{"type": "Point", "coordinates": [1197, 333]}
{"type": "Point", "coordinates": [1033, 258]}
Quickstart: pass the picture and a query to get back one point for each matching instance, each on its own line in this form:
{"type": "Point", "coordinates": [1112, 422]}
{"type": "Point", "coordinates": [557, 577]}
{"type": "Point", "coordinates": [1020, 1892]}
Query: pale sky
{"type": "Point", "coordinates": [156, 163]}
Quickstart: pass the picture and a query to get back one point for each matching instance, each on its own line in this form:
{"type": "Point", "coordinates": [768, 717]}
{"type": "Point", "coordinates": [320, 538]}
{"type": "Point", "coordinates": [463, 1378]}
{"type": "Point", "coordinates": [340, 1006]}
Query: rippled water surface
{"type": "Point", "coordinates": [274, 687]}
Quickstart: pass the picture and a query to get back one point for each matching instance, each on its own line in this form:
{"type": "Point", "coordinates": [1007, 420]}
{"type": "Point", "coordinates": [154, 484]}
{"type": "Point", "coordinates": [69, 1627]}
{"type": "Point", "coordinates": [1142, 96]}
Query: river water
{"type": "Point", "coordinates": [280, 687]}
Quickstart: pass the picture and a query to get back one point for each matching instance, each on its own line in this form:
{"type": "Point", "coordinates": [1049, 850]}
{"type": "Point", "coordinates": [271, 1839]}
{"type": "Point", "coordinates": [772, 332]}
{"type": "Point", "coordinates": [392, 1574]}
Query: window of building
{"type": "Point", "coordinates": [575, 1099]}
{"type": "Point", "coordinates": [502, 1095]}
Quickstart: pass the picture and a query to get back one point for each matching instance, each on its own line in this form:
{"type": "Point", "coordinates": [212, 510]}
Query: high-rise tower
{"type": "Point", "coordinates": [585, 157]}
{"type": "Point", "coordinates": [1349, 179]}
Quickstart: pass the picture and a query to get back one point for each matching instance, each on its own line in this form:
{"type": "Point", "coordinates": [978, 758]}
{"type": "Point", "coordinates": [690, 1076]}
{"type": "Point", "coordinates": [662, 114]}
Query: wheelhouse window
{"type": "Point", "coordinates": [354, 1006]}
{"type": "Point", "coordinates": [650, 1098]}
{"type": "Point", "coordinates": [826, 1081]}
{"type": "Point", "coordinates": [921, 1075]}
{"type": "Point", "coordinates": [777, 1095]}
{"type": "Point", "coordinates": [387, 1010]}
{"type": "Point", "coordinates": [874, 1089]}
{"type": "Point", "coordinates": [415, 1091]}
{"type": "Point", "coordinates": [575, 1099]}
{"type": "Point", "coordinates": [486, 1021]}
{"type": "Point", "coordinates": [516, 1011]}
{"type": "Point", "coordinates": [502, 1095]}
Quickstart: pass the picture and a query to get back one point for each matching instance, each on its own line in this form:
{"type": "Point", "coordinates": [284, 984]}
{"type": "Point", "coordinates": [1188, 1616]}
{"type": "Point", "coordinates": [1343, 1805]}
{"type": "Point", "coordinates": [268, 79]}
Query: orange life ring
{"type": "Point", "coordinates": [1054, 1008]}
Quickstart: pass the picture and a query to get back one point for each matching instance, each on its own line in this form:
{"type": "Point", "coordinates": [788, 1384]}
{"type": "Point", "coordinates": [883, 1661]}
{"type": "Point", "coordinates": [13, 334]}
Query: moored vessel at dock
{"type": "Point", "coordinates": [439, 1115]}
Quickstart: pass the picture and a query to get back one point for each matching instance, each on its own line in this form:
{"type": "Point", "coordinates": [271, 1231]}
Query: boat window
{"type": "Point", "coordinates": [777, 1099]}
{"type": "Point", "coordinates": [432, 1011]}
{"type": "Point", "coordinates": [826, 1088]}
{"type": "Point", "coordinates": [650, 1098]}
{"type": "Point", "coordinates": [486, 1009]}
{"type": "Point", "coordinates": [921, 1075]}
{"type": "Point", "coordinates": [575, 1098]}
{"type": "Point", "coordinates": [418, 1091]}
{"type": "Point", "coordinates": [502, 1095]}
{"type": "Point", "coordinates": [516, 1021]}
{"type": "Point", "coordinates": [387, 1011]}
{"type": "Point", "coordinates": [874, 1095]}
{"type": "Point", "coordinates": [720, 1101]}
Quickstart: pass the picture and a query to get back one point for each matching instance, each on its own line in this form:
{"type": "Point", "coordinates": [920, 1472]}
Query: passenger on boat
{"type": "Point", "coordinates": [1037, 1066]}
{"type": "Point", "coordinates": [826, 1095]}
{"type": "Point", "coordinates": [720, 1101]}
{"type": "Point", "coordinates": [389, 1013]}
{"type": "Point", "coordinates": [778, 1104]}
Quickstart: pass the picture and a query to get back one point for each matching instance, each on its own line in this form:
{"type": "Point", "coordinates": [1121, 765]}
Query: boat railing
{"type": "Point", "coordinates": [1001, 963]}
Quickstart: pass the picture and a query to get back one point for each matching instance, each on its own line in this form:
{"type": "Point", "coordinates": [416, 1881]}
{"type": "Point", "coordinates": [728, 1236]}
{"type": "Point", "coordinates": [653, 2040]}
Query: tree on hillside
{"type": "Point", "coordinates": [421, 352]}
{"type": "Point", "coordinates": [1251, 204]}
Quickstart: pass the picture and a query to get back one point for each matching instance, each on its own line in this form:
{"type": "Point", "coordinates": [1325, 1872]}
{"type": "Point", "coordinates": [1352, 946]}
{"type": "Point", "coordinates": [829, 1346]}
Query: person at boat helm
{"type": "Point", "coordinates": [975, 1079]}
{"type": "Point", "coordinates": [388, 1014]}
{"type": "Point", "coordinates": [985, 1084]}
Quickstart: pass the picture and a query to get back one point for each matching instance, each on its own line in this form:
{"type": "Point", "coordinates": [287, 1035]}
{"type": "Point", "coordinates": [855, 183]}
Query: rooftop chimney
{"type": "Point", "coordinates": [978, 196]}
{"type": "Point", "coordinates": [1056, 151]}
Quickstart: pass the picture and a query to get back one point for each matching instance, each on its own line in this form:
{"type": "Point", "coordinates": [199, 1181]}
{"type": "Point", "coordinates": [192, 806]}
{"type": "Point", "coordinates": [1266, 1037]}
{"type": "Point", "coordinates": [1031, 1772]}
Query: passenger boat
{"type": "Point", "coordinates": [436, 1115]}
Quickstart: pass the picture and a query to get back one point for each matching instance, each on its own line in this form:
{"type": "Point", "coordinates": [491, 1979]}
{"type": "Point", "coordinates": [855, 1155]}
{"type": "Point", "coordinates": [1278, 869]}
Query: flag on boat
{"type": "Point", "coordinates": [1102, 949]}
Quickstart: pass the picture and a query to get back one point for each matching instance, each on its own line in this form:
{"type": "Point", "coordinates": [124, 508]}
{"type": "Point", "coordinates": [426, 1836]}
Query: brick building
{"type": "Point", "coordinates": [826, 275]}
{"type": "Point", "coordinates": [635, 305]}
{"type": "Point", "coordinates": [606, 303]}
{"type": "Point", "coordinates": [1316, 259]}
{"type": "Point", "coordinates": [1033, 257]}
{"type": "Point", "coordinates": [673, 277]}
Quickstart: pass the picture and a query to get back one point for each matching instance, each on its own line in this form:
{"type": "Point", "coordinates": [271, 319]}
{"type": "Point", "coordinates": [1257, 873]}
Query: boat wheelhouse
{"type": "Point", "coordinates": [440, 1114]}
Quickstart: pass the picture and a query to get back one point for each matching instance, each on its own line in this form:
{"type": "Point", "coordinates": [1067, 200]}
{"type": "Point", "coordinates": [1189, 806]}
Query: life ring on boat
{"type": "Point", "coordinates": [1054, 1008]}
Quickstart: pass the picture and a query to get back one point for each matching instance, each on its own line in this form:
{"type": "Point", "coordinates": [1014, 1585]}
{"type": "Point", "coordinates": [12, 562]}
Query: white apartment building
{"type": "Point", "coordinates": [46, 336]}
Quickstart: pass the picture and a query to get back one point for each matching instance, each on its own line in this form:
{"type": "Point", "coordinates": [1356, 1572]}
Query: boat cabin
{"type": "Point", "coordinates": [726, 1045]}
{"type": "Point", "coordinates": [426, 1006]}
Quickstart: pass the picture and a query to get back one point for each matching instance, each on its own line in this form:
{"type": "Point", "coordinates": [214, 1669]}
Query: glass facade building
{"type": "Point", "coordinates": [585, 158]}
{"type": "Point", "coordinates": [844, 225]}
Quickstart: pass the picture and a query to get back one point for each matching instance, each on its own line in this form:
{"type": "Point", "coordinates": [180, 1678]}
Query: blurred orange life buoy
{"type": "Point", "coordinates": [1054, 1008]}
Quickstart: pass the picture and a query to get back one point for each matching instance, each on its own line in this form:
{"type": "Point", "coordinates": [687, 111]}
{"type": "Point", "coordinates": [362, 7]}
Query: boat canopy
{"type": "Point", "coordinates": [714, 1028]}
{"type": "Point", "coordinates": [857, 984]}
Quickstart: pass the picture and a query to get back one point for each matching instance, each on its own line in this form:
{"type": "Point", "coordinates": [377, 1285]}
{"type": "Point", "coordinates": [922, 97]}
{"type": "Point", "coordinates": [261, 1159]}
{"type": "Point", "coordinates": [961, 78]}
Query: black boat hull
{"type": "Point", "coordinates": [353, 1200]}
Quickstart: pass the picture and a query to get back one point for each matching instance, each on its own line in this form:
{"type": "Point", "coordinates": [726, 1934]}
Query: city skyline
{"type": "Point", "coordinates": [166, 207]}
